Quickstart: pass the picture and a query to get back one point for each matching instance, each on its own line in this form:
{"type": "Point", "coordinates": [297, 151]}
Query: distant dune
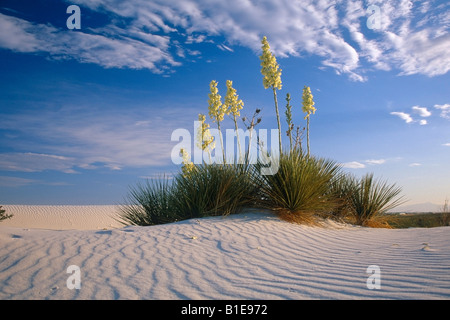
{"type": "Point", "coordinates": [62, 217]}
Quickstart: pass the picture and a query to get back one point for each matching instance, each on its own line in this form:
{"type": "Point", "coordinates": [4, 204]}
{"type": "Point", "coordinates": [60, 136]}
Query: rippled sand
{"type": "Point", "coordinates": [245, 256]}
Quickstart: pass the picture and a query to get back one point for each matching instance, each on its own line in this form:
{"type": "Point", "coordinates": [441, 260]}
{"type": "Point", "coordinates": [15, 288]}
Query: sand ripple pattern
{"type": "Point", "coordinates": [247, 256]}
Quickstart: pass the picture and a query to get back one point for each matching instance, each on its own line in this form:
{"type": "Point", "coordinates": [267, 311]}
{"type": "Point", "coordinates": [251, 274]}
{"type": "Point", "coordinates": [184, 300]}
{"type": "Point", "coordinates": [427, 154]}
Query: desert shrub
{"type": "Point", "coordinates": [300, 188]}
{"type": "Point", "coordinates": [341, 189]}
{"type": "Point", "coordinates": [371, 198]}
{"type": "Point", "coordinates": [215, 189]}
{"type": "Point", "coordinates": [151, 203]}
{"type": "Point", "coordinates": [4, 215]}
{"type": "Point", "coordinates": [444, 217]}
{"type": "Point", "coordinates": [206, 190]}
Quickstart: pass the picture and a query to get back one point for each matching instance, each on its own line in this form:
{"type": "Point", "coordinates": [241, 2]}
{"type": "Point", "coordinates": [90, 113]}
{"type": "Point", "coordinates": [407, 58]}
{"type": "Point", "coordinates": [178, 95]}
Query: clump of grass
{"type": "Point", "coordinates": [341, 189]}
{"type": "Point", "coordinates": [300, 188]}
{"type": "Point", "coordinates": [370, 199]}
{"type": "Point", "coordinates": [206, 190]}
{"type": "Point", "coordinates": [217, 189]}
{"type": "Point", "coordinates": [151, 203]}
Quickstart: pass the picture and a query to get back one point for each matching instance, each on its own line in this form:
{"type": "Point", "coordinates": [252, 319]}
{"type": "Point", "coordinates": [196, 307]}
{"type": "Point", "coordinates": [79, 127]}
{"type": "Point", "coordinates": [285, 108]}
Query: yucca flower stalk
{"type": "Point", "coordinates": [205, 141]}
{"type": "Point", "coordinates": [272, 77]}
{"type": "Point", "coordinates": [234, 105]}
{"type": "Point", "coordinates": [251, 127]}
{"type": "Point", "coordinates": [288, 114]}
{"type": "Point", "coordinates": [217, 110]}
{"type": "Point", "coordinates": [308, 108]}
{"type": "Point", "coordinates": [188, 166]}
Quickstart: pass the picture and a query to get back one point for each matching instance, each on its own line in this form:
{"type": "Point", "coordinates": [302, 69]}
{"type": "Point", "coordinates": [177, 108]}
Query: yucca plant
{"type": "Point", "coordinates": [372, 198]}
{"type": "Point", "coordinates": [211, 190]}
{"type": "Point", "coordinates": [271, 72]}
{"type": "Point", "coordinates": [151, 203]}
{"type": "Point", "coordinates": [308, 108]}
{"type": "Point", "coordinates": [300, 188]}
{"type": "Point", "coordinates": [341, 189]}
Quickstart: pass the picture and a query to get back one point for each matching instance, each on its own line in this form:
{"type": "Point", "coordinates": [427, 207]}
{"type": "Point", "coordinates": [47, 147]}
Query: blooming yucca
{"type": "Point", "coordinates": [188, 166]}
{"type": "Point", "coordinates": [272, 77]}
{"type": "Point", "coordinates": [217, 110]}
{"type": "Point", "coordinates": [308, 108]}
{"type": "Point", "coordinates": [234, 105]}
{"type": "Point", "coordinates": [308, 103]}
{"type": "Point", "coordinates": [270, 68]}
{"type": "Point", "coordinates": [205, 141]}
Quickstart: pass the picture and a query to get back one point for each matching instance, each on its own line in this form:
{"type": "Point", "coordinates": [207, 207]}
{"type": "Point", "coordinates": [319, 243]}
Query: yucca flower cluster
{"type": "Point", "coordinates": [271, 78]}
{"type": "Point", "coordinates": [205, 141]}
{"type": "Point", "coordinates": [234, 106]}
{"type": "Point", "coordinates": [308, 108]}
{"type": "Point", "coordinates": [216, 109]}
{"type": "Point", "coordinates": [270, 68]}
{"type": "Point", "coordinates": [188, 166]}
{"type": "Point", "coordinates": [232, 101]}
{"type": "Point", "coordinates": [308, 103]}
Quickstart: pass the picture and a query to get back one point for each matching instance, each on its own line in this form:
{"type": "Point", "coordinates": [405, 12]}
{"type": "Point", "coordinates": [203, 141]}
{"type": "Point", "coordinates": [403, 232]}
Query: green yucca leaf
{"type": "Point", "coordinates": [371, 197]}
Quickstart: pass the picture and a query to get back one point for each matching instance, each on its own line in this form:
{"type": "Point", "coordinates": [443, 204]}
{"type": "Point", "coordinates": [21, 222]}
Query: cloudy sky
{"type": "Point", "coordinates": [86, 113]}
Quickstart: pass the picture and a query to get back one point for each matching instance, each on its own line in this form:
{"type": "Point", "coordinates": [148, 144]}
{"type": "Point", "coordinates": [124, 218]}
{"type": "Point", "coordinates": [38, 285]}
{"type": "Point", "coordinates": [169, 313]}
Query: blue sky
{"type": "Point", "coordinates": [87, 113]}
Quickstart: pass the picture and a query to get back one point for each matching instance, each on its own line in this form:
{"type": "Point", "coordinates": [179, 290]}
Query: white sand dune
{"type": "Point", "coordinates": [245, 256]}
{"type": "Point", "coordinates": [62, 217]}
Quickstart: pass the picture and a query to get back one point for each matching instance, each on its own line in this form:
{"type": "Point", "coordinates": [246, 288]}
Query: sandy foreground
{"type": "Point", "coordinates": [252, 255]}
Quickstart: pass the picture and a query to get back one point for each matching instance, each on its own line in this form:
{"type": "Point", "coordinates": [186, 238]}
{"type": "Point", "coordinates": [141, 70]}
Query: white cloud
{"type": "Point", "coordinates": [71, 138]}
{"type": "Point", "coordinates": [353, 165]}
{"type": "Point", "coordinates": [446, 144]}
{"type": "Point", "coordinates": [12, 182]}
{"type": "Point", "coordinates": [375, 162]}
{"type": "Point", "coordinates": [403, 116]}
{"type": "Point", "coordinates": [413, 38]}
{"type": "Point", "coordinates": [224, 48]}
{"type": "Point", "coordinates": [109, 47]}
{"type": "Point", "coordinates": [35, 162]}
{"type": "Point", "coordinates": [423, 112]}
{"type": "Point", "coordinates": [445, 110]}
{"type": "Point", "coordinates": [415, 164]}
{"type": "Point", "coordinates": [423, 122]}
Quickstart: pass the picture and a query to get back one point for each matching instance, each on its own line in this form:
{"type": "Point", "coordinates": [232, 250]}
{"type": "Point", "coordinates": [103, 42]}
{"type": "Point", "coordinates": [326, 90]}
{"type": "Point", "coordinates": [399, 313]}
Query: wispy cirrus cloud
{"type": "Point", "coordinates": [108, 47]}
{"type": "Point", "coordinates": [35, 162]}
{"type": "Point", "coordinates": [14, 182]}
{"type": "Point", "coordinates": [413, 37]}
{"type": "Point", "coordinates": [74, 138]}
